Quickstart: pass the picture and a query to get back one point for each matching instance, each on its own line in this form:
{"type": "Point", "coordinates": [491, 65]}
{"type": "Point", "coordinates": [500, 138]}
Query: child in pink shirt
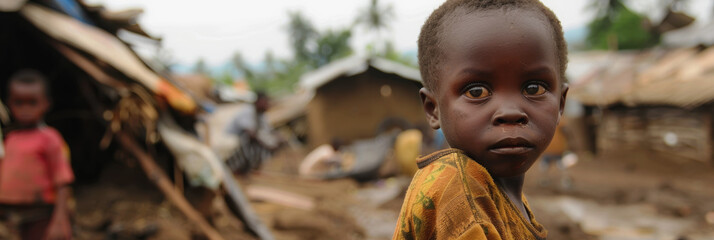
{"type": "Point", "coordinates": [35, 171]}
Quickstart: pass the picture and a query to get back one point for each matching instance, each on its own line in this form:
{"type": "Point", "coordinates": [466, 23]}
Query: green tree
{"type": "Point", "coordinates": [274, 76]}
{"type": "Point", "coordinates": [607, 8]}
{"type": "Point", "coordinates": [316, 48]}
{"type": "Point", "coordinates": [249, 74]}
{"type": "Point", "coordinates": [200, 67]}
{"type": "Point", "coordinates": [376, 18]}
{"type": "Point", "coordinates": [617, 27]}
{"type": "Point", "coordinates": [332, 45]}
{"type": "Point", "coordinates": [311, 49]}
{"type": "Point", "coordinates": [301, 32]}
{"type": "Point", "coordinates": [392, 54]}
{"type": "Point", "coordinates": [224, 79]}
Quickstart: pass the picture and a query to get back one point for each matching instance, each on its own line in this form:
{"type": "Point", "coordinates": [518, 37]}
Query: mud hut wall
{"type": "Point", "coordinates": [577, 135]}
{"type": "Point", "coordinates": [351, 108]}
{"type": "Point", "coordinates": [667, 132]}
{"type": "Point", "coordinates": [691, 129]}
{"type": "Point", "coordinates": [621, 130]}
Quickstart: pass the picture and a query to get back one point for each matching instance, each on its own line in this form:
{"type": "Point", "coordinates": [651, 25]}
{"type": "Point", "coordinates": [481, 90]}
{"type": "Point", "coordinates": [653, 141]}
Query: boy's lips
{"type": "Point", "coordinates": [511, 146]}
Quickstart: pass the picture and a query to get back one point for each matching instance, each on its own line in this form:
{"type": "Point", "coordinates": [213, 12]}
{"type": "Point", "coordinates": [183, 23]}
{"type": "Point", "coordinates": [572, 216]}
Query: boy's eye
{"type": "Point", "coordinates": [477, 92]}
{"type": "Point", "coordinates": [534, 89]}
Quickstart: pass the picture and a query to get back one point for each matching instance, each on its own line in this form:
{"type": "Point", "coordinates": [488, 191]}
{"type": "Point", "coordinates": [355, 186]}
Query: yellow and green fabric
{"type": "Point", "coordinates": [453, 197]}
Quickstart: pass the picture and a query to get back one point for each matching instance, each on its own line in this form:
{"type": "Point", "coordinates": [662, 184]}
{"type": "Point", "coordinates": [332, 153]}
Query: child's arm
{"type": "Point", "coordinates": [2, 144]}
{"type": "Point", "coordinates": [59, 227]}
{"type": "Point", "coordinates": [57, 154]}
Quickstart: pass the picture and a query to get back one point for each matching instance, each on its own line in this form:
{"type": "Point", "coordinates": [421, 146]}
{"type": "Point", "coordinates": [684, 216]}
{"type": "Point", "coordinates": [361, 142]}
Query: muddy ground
{"type": "Point", "coordinates": [615, 196]}
{"type": "Point", "coordinates": [632, 195]}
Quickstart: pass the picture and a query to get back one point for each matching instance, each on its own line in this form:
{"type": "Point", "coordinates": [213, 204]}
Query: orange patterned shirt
{"type": "Point", "coordinates": [453, 197]}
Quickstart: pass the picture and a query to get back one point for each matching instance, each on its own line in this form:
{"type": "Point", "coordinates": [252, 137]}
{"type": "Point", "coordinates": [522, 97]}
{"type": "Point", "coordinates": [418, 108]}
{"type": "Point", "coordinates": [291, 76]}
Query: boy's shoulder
{"type": "Point", "coordinates": [446, 157]}
{"type": "Point", "coordinates": [454, 159]}
{"type": "Point", "coordinates": [451, 170]}
{"type": "Point", "coordinates": [448, 185]}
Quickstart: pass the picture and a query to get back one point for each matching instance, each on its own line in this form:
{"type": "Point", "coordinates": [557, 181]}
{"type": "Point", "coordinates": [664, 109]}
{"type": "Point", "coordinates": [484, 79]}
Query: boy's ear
{"type": "Point", "coordinates": [562, 98]}
{"type": "Point", "coordinates": [431, 109]}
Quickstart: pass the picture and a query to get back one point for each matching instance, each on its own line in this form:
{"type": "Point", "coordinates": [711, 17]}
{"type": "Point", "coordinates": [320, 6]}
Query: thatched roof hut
{"type": "Point", "coordinates": [659, 100]}
{"type": "Point", "coordinates": [356, 97]}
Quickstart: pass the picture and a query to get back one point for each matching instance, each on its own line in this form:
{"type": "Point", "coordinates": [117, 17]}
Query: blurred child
{"type": "Point", "coordinates": [493, 74]}
{"type": "Point", "coordinates": [34, 173]}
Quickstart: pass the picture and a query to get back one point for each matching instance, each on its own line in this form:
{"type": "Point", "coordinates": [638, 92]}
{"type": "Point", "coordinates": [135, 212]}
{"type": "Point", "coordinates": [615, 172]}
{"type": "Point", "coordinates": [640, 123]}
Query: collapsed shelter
{"type": "Point", "coordinates": [105, 98]}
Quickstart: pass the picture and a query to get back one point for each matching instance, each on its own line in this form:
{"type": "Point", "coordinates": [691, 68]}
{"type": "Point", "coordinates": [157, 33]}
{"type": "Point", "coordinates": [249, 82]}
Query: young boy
{"type": "Point", "coordinates": [494, 83]}
{"type": "Point", "coordinates": [35, 171]}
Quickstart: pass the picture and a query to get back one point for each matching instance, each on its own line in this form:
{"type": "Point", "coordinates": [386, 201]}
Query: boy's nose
{"type": "Point", "coordinates": [509, 114]}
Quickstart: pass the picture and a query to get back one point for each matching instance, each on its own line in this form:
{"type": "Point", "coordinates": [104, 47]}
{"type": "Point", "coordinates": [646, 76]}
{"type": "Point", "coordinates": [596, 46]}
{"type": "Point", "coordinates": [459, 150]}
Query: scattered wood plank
{"type": "Point", "coordinates": [158, 177]}
{"type": "Point", "coordinates": [238, 203]}
{"type": "Point", "coordinates": [280, 197]}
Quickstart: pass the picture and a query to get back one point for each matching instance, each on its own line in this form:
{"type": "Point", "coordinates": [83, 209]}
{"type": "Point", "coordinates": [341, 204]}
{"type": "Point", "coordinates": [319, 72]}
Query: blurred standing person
{"type": "Point", "coordinates": [255, 139]}
{"type": "Point", "coordinates": [35, 172]}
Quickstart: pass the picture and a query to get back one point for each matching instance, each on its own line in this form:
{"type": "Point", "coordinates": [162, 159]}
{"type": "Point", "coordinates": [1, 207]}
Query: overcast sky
{"type": "Point", "coordinates": [215, 29]}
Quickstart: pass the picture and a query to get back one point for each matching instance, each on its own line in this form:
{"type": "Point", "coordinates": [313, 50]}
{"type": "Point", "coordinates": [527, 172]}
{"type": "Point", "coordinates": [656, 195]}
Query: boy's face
{"type": "Point", "coordinates": [499, 94]}
{"type": "Point", "coordinates": [27, 102]}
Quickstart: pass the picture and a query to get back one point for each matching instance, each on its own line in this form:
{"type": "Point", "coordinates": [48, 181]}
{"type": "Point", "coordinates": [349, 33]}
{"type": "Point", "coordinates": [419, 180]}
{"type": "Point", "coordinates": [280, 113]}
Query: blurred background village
{"type": "Point", "coordinates": [148, 96]}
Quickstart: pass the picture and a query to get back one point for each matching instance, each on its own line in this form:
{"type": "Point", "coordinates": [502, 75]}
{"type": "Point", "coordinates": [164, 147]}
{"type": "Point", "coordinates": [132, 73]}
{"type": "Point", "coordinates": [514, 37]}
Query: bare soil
{"type": "Point", "coordinates": [653, 197]}
{"type": "Point", "coordinates": [613, 196]}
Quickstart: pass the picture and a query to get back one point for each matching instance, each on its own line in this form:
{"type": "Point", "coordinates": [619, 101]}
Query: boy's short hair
{"type": "Point", "coordinates": [29, 76]}
{"type": "Point", "coordinates": [430, 54]}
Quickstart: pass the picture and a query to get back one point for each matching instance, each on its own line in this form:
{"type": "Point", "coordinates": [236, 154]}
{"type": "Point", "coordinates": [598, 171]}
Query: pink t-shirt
{"type": "Point", "coordinates": [36, 162]}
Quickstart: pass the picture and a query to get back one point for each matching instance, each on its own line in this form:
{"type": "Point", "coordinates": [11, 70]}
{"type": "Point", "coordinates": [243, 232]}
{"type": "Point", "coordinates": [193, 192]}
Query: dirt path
{"type": "Point", "coordinates": [627, 196]}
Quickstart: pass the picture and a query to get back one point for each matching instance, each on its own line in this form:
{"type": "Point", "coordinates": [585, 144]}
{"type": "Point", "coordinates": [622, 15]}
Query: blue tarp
{"type": "Point", "coordinates": [71, 8]}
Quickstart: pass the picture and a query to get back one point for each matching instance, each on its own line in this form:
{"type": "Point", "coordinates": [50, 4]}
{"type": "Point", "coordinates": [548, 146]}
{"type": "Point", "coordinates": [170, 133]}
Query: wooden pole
{"type": "Point", "coordinates": [158, 177]}
{"type": "Point", "coordinates": [178, 178]}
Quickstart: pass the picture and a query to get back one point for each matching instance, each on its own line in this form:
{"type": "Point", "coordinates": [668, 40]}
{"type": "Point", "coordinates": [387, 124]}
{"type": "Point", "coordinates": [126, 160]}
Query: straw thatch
{"type": "Point", "coordinates": [679, 77]}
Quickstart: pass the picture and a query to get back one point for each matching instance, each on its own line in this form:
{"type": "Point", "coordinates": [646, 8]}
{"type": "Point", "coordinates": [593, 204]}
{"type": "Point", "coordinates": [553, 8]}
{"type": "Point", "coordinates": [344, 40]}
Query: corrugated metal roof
{"type": "Point", "coordinates": [681, 77]}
